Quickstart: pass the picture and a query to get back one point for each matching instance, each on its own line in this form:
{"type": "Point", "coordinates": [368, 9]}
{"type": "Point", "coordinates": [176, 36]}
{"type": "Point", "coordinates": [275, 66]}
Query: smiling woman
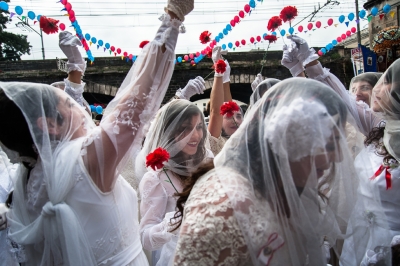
{"type": "Point", "coordinates": [179, 128]}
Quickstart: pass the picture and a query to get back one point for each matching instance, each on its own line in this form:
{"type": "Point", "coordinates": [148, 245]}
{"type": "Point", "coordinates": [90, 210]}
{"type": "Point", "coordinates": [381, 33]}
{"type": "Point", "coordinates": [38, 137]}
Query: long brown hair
{"type": "Point", "coordinates": [375, 137]}
{"type": "Point", "coordinates": [187, 188]}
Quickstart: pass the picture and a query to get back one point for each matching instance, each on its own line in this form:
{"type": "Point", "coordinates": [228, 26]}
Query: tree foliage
{"type": "Point", "coordinates": [12, 46]}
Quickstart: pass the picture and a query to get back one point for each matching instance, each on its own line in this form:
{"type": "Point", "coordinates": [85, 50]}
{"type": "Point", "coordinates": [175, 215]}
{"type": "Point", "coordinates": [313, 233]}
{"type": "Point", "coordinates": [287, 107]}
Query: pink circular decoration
{"type": "Point", "coordinates": [130, 56]}
{"type": "Point", "coordinates": [62, 26]}
{"type": "Point", "coordinates": [191, 56]}
{"type": "Point", "coordinates": [125, 54]}
{"type": "Point", "coordinates": [310, 26]}
{"type": "Point", "coordinates": [241, 14]}
{"type": "Point", "coordinates": [247, 8]}
{"type": "Point", "coordinates": [318, 24]}
{"type": "Point", "coordinates": [64, 2]}
{"type": "Point", "coordinates": [68, 6]}
{"type": "Point", "coordinates": [186, 57]}
{"type": "Point", "coordinates": [72, 19]}
{"type": "Point", "coordinates": [320, 53]}
{"type": "Point", "coordinates": [258, 38]}
{"type": "Point", "coordinates": [348, 33]}
{"type": "Point", "coordinates": [353, 30]}
{"type": "Point", "coordinates": [118, 51]}
{"type": "Point", "coordinates": [237, 43]}
{"type": "Point", "coordinates": [112, 48]}
{"type": "Point", "coordinates": [252, 39]}
{"type": "Point", "coordinates": [243, 42]}
{"type": "Point", "coordinates": [236, 19]}
{"type": "Point", "coordinates": [330, 22]}
{"type": "Point", "coordinates": [343, 37]}
{"type": "Point", "coordinates": [300, 28]}
{"type": "Point", "coordinates": [197, 54]}
{"type": "Point", "coordinates": [338, 39]}
{"type": "Point", "coordinates": [233, 23]}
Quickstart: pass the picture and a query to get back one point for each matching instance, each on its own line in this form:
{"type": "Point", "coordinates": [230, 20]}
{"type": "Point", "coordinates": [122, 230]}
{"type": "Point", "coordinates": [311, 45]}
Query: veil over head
{"type": "Point", "coordinates": [172, 130]}
{"type": "Point", "coordinates": [282, 150]}
{"type": "Point", "coordinates": [385, 102]}
{"type": "Point", "coordinates": [265, 85]}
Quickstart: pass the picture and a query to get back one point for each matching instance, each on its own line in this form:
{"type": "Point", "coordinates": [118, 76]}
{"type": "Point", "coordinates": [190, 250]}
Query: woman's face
{"type": "Point", "coordinates": [229, 126]}
{"type": "Point", "coordinates": [381, 96]}
{"type": "Point", "coordinates": [302, 169]}
{"type": "Point", "coordinates": [363, 91]}
{"type": "Point", "coordinates": [72, 116]}
{"type": "Point", "coordinates": [193, 127]}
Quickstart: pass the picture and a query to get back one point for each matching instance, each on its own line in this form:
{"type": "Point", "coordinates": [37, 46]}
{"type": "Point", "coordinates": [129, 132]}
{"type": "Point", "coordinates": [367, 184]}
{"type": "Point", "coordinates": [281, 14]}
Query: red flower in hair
{"type": "Point", "coordinates": [143, 44]}
{"type": "Point", "coordinates": [229, 108]}
{"type": "Point", "coordinates": [209, 53]}
{"type": "Point", "coordinates": [274, 23]}
{"type": "Point", "coordinates": [288, 13]}
{"type": "Point", "coordinates": [271, 38]}
{"type": "Point", "coordinates": [48, 25]}
{"type": "Point", "coordinates": [205, 37]}
{"type": "Point", "coordinates": [220, 66]}
{"type": "Point", "coordinates": [157, 158]}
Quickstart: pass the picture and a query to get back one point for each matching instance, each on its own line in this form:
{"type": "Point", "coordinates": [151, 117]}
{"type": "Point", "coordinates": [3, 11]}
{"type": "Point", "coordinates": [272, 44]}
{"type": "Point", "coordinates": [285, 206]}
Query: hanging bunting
{"type": "Point", "coordinates": [347, 23]}
{"type": "Point", "coordinates": [392, 14]}
{"type": "Point", "coordinates": [381, 16]}
{"type": "Point", "coordinates": [369, 19]}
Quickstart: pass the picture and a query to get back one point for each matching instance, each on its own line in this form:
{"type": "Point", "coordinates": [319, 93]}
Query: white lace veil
{"type": "Point", "coordinates": [170, 130]}
{"type": "Point", "coordinates": [281, 150]}
{"type": "Point", "coordinates": [261, 89]}
{"type": "Point", "coordinates": [385, 102]}
{"type": "Point", "coordinates": [65, 138]}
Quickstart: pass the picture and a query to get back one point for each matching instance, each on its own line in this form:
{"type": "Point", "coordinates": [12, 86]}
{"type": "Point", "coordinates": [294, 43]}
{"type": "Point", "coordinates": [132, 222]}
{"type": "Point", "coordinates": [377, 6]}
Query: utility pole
{"type": "Point", "coordinates": [358, 25]}
{"type": "Point", "coordinates": [24, 26]}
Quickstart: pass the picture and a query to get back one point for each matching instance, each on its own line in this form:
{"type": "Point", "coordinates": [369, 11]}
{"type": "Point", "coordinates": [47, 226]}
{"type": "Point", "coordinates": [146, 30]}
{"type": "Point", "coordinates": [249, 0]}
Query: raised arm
{"type": "Point", "coordinates": [139, 97]}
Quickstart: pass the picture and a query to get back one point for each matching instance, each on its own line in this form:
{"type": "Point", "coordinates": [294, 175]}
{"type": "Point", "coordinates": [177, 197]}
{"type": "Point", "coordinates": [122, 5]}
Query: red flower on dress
{"type": "Point", "coordinates": [205, 37]}
{"type": "Point", "coordinates": [143, 44]}
{"type": "Point", "coordinates": [271, 38]}
{"type": "Point", "coordinates": [48, 25]}
{"type": "Point", "coordinates": [220, 66]}
{"type": "Point", "coordinates": [274, 23]}
{"type": "Point", "coordinates": [229, 108]}
{"type": "Point", "coordinates": [157, 158]}
{"type": "Point", "coordinates": [288, 13]}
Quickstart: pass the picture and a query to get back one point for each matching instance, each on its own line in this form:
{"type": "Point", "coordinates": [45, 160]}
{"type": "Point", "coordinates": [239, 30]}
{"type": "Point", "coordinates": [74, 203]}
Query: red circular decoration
{"type": "Point", "coordinates": [68, 6]}
{"type": "Point", "coordinates": [330, 22]}
{"type": "Point", "coordinates": [353, 30]}
{"type": "Point", "coordinates": [258, 38]}
{"type": "Point", "coordinates": [72, 19]}
{"type": "Point", "coordinates": [318, 24]}
{"type": "Point", "coordinates": [247, 8]}
{"type": "Point", "coordinates": [236, 19]}
{"type": "Point", "coordinates": [348, 33]}
{"type": "Point", "coordinates": [237, 43]}
{"type": "Point", "coordinates": [343, 36]}
{"type": "Point", "coordinates": [339, 39]}
{"type": "Point", "coordinates": [300, 28]}
{"type": "Point", "coordinates": [62, 26]}
{"type": "Point", "coordinates": [243, 42]}
{"type": "Point", "coordinates": [310, 26]}
{"type": "Point", "coordinates": [252, 39]}
{"type": "Point", "coordinates": [241, 14]}
{"type": "Point", "coordinates": [112, 48]}
{"type": "Point", "coordinates": [233, 23]}
{"type": "Point", "coordinates": [64, 2]}
{"type": "Point", "coordinates": [125, 54]}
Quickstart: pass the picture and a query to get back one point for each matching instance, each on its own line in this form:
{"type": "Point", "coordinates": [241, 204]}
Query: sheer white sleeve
{"type": "Point", "coordinates": [75, 91]}
{"type": "Point", "coordinates": [127, 117]}
{"type": "Point", "coordinates": [362, 114]}
{"type": "Point", "coordinates": [153, 209]}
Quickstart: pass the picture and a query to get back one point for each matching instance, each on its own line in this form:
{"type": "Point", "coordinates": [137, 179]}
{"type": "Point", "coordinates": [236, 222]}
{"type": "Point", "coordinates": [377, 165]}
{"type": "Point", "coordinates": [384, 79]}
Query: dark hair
{"type": "Point", "coordinates": [187, 188]}
{"type": "Point", "coordinates": [370, 78]}
{"type": "Point", "coordinates": [374, 137]}
{"type": "Point", "coordinates": [191, 110]}
{"type": "Point", "coordinates": [18, 136]}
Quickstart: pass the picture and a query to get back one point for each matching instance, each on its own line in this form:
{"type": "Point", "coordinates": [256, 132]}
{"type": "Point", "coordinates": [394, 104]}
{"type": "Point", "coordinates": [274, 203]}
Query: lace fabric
{"type": "Point", "coordinates": [282, 214]}
{"type": "Point", "coordinates": [64, 134]}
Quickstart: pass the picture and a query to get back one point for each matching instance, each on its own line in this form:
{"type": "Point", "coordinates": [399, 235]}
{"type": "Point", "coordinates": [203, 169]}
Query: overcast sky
{"type": "Point", "coordinates": [124, 24]}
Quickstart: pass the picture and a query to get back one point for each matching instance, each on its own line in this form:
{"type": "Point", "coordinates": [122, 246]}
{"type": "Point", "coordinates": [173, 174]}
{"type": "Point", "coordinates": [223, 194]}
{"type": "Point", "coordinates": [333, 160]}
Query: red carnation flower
{"type": "Point", "coordinates": [205, 37]}
{"type": "Point", "coordinates": [274, 23]}
{"type": "Point", "coordinates": [271, 38]}
{"type": "Point", "coordinates": [143, 44]}
{"type": "Point", "coordinates": [48, 25]}
{"type": "Point", "coordinates": [288, 13]}
{"type": "Point", "coordinates": [157, 158]}
{"type": "Point", "coordinates": [229, 108]}
{"type": "Point", "coordinates": [220, 66]}
{"type": "Point", "coordinates": [209, 53]}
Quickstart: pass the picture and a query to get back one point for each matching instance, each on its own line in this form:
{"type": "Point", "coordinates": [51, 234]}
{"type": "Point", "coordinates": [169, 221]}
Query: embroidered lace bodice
{"type": "Point", "coordinates": [215, 144]}
{"type": "Point", "coordinates": [210, 232]}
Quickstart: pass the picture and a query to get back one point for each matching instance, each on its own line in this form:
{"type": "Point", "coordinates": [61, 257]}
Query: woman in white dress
{"type": "Point", "coordinates": [90, 215]}
{"type": "Point", "coordinates": [375, 220]}
{"type": "Point", "coordinates": [263, 204]}
{"type": "Point", "coordinates": [180, 129]}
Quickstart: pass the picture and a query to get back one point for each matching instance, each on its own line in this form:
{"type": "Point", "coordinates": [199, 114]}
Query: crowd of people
{"type": "Point", "coordinates": [308, 175]}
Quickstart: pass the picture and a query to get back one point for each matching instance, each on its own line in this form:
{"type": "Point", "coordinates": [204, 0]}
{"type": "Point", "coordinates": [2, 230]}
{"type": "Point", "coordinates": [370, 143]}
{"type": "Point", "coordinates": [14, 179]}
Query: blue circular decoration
{"type": "Point", "coordinates": [107, 46]}
{"type": "Point", "coordinates": [217, 39]}
{"type": "Point", "coordinates": [31, 15]}
{"type": "Point", "coordinates": [92, 108]}
{"type": "Point", "coordinates": [291, 30]}
{"type": "Point", "coordinates": [221, 35]}
{"type": "Point", "coordinates": [334, 42]}
{"type": "Point", "coordinates": [362, 13]}
{"type": "Point", "coordinates": [374, 11]}
{"type": "Point", "coordinates": [273, 33]}
{"type": "Point", "coordinates": [19, 10]}
{"type": "Point", "coordinates": [99, 109]}
{"type": "Point", "coordinates": [283, 32]}
{"type": "Point", "coordinates": [341, 19]}
{"type": "Point", "coordinates": [386, 8]}
{"type": "Point", "coordinates": [225, 31]}
{"type": "Point", "coordinates": [87, 36]}
{"type": "Point", "coordinates": [323, 50]}
{"type": "Point", "coordinates": [100, 42]}
{"type": "Point", "coordinates": [351, 16]}
{"type": "Point", "coordinates": [230, 45]}
{"type": "Point", "coordinates": [3, 6]}
{"type": "Point", "coordinates": [252, 3]}
{"type": "Point", "coordinates": [93, 40]}
{"type": "Point", "coordinates": [223, 47]}
{"type": "Point", "coordinates": [180, 59]}
{"type": "Point", "coordinates": [228, 27]}
{"type": "Point", "coordinates": [38, 17]}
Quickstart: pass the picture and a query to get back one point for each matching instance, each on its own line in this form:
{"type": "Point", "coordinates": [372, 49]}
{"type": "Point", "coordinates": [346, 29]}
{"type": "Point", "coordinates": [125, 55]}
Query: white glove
{"type": "Point", "coordinates": [170, 226]}
{"type": "Point", "coordinates": [305, 54]}
{"type": "Point", "coordinates": [69, 45]}
{"type": "Point", "coordinates": [290, 61]}
{"type": "Point", "coordinates": [194, 86]}
{"type": "Point", "coordinates": [3, 217]}
{"type": "Point", "coordinates": [227, 74]}
{"type": "Point", "coordinates": [256, 81]}
{"type": "Point", "coordinates": [180, 7]}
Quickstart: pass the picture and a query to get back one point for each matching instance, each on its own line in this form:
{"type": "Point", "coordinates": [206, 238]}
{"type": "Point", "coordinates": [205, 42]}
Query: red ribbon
{"type": "Point", "coordinates": [388, 175]}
